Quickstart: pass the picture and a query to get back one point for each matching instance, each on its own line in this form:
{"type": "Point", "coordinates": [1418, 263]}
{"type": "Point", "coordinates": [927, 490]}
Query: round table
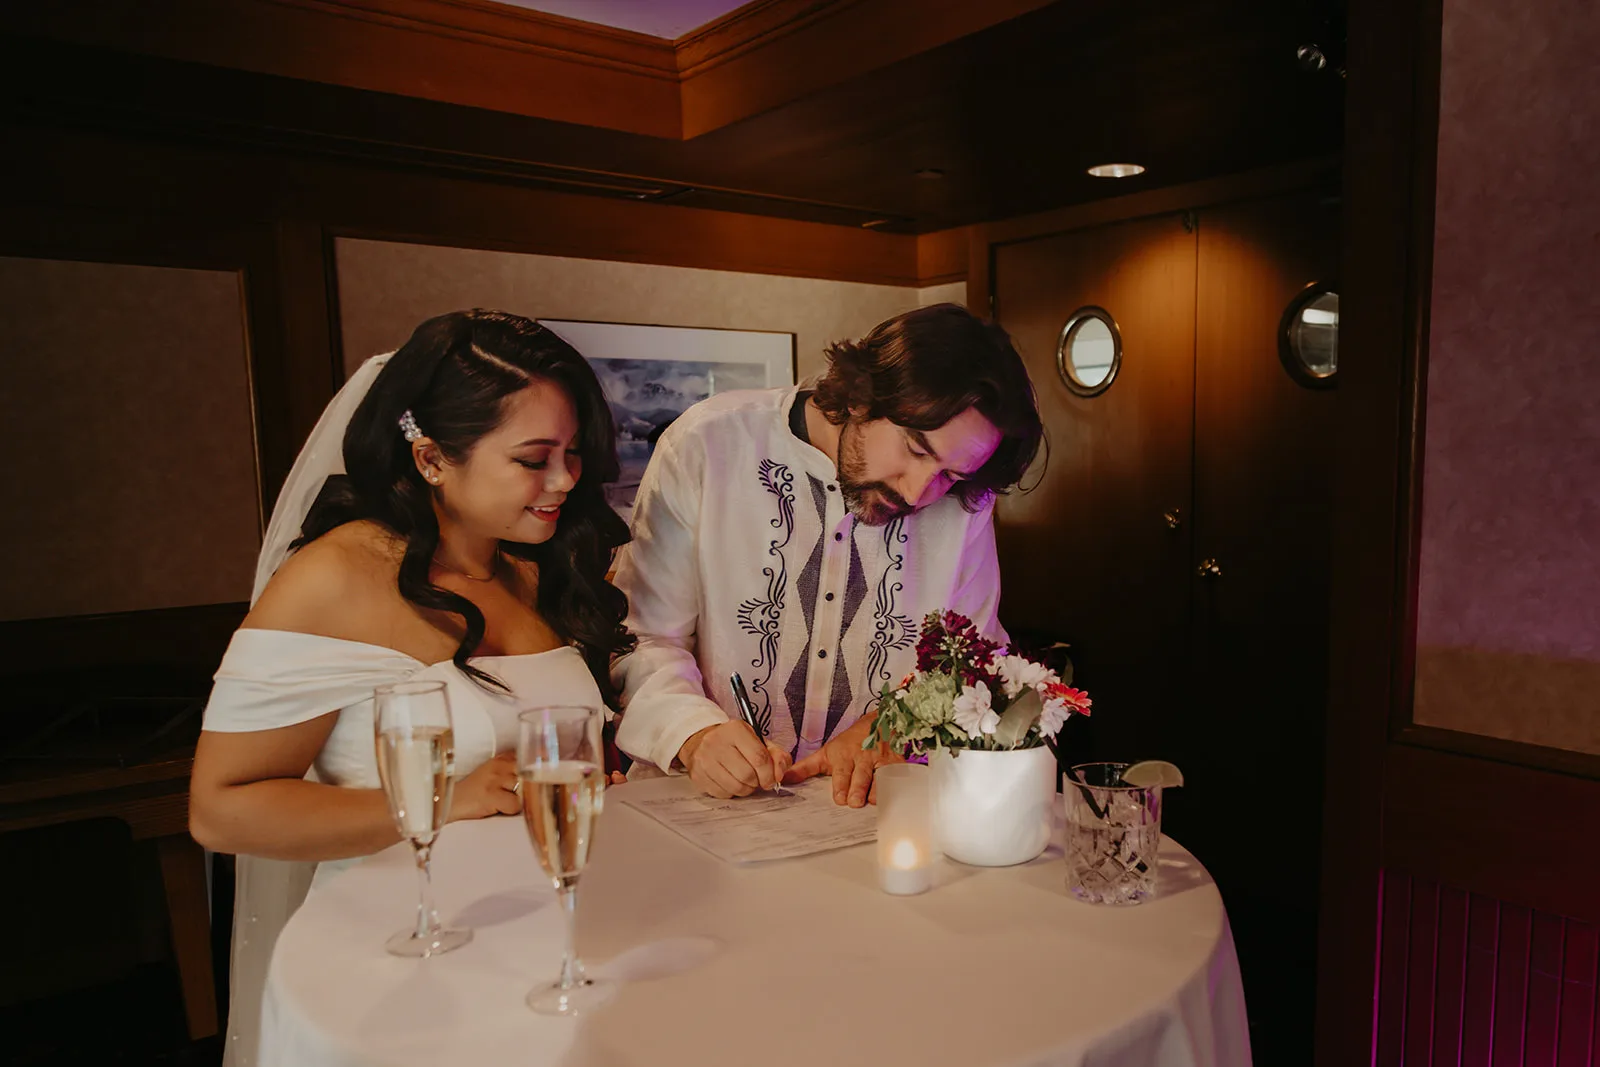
{"type": "Point", "coordinates": [792, 962]}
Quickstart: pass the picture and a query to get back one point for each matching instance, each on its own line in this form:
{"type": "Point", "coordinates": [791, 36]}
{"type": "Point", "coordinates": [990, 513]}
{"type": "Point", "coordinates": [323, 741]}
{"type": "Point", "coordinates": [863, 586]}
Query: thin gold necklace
{"type": "Point", "coordinates": [470, 577]}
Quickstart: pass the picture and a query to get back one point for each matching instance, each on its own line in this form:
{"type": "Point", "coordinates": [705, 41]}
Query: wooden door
{"type": "Point", "coordinates": [1252, 739]}
{"type": "Point", "coordinates": [1087, 556]}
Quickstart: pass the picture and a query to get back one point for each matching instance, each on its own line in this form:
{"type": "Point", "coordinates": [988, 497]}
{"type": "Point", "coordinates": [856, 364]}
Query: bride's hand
{"type": "Point", "coordinates": [489, 790]}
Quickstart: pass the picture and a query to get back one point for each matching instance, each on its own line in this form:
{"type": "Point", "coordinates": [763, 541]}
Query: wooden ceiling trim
{"type": "Point", "coordinates": [504, 25]}
{"type": "Point", "coordinates": [496, 56]}
{"type": "Point", "coordinates": [942, 256]}
{"type": "Point", "coordinates": [815, 50]}
{"type": "Point", "coordinates": [1210, 192]}
{"type": "Point", "coordinates": [460, 54]}
{"type": "Point", "coordinates": [96, 172]}
{"type": "Point", "coordinates": [748, 27]}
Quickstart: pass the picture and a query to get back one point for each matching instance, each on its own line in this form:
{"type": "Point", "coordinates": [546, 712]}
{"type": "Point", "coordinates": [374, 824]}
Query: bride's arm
{"type": "Point", "coordinates": [248, 794]}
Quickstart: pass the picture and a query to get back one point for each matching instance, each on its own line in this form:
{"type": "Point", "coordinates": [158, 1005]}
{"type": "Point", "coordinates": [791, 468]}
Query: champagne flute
{"type": "Point", "coordinates": [562, 767]}
{"type": "Point", "coordinates": [416, 763]}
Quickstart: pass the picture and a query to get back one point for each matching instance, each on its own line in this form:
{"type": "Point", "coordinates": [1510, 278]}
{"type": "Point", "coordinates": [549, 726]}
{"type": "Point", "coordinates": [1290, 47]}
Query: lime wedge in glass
{"type": "Point", "coordinates": [1153, 772]}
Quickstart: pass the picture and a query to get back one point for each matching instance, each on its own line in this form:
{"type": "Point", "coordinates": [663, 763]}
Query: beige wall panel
{"type": "Point", "coordinates": [131, 474]}
{"type": "Point", "coordinates": [386, 289]}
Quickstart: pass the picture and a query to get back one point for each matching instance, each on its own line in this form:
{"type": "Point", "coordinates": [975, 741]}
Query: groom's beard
{"type": "Point", "coordinates": [872, 503]}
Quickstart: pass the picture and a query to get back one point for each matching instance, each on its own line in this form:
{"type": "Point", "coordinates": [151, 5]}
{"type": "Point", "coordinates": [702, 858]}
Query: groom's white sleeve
{"type": "Point", "coordinates": [663, 695]}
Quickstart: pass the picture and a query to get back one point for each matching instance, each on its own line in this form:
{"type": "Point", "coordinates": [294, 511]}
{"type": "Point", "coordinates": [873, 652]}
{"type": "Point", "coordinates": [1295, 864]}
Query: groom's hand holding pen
{"type": "Point", "coordinates": [731, 759]}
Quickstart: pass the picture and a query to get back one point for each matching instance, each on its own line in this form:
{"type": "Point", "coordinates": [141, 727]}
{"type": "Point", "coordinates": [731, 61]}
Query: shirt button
{"type": "Point", "coordinates": [838, 537]}
{"type": "Point", "coordinates": [822, 653]}
{"type": "Point", "coordinates": [833, 488]}
{"type": "Point", "coordinates": [827, 596]}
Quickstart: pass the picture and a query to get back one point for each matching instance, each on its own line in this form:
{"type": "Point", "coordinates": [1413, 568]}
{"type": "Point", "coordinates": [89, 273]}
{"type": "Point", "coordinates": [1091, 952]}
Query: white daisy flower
{"type": "Point", "coordinates": [973, 713]}
{"type": "Point", "coordinates": [1017, 674]}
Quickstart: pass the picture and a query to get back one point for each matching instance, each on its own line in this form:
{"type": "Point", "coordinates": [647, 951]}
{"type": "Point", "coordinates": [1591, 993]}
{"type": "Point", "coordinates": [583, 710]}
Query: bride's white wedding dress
{"type": "Point", "coordinates": [273, 678]}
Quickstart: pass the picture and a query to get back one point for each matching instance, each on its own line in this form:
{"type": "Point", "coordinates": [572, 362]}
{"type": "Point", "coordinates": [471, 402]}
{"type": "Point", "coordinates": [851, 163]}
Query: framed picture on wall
{"type": "Point", "coordinates": [652, 374]}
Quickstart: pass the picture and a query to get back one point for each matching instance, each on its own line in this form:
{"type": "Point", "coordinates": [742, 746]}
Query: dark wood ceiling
{"type": "Point", "coordinates": [1011, 116]}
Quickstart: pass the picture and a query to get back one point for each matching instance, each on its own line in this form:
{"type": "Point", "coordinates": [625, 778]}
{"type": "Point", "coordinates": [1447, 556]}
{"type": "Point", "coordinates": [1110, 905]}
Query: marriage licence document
{"type": "Point", "coordinates": [759, 827]}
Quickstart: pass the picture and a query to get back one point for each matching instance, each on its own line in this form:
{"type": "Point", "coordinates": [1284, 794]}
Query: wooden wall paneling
{"type": "Point", "coordinates": [1421, 971]}
{"type": "Point", "coordinates": [1450, 975]}
{"type": "Point", "coordinates": [1389, 1010]}
{"type": "Point", "coordinates": [1511, 985]}
{"type": "Point", "coordinates": [1483, 951]}
{"type": "Point", "coordinates": [1544, 988]}
{"type": "Point", "coordinates": [1576, 1026]}
{"type": "Point", "coordinates": [1387, 133]}
{"type": "Point", "coordinates": [1086, 557]}
{"type": "Point", "coordinates": [1497, 828]}
{"type": "Point", "coordinates": [1466, 981]}
{"type": "Point", "coordinates": [191, 637]}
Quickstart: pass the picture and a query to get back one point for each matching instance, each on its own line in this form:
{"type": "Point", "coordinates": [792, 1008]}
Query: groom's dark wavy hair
{"type": "Point", "coordinates": [454, 376]}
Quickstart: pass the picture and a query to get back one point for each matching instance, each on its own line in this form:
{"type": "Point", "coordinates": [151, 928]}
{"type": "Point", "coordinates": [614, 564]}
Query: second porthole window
{"type": "Point", "coordinates": [1089, 353]}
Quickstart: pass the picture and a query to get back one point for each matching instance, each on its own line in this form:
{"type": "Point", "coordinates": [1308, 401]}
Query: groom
{"type": "Point", "coordinates": [798, 537]}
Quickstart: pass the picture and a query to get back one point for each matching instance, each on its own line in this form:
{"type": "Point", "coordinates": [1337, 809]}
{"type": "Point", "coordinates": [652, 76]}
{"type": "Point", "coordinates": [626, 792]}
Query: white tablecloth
{"type": "Point", "coordinates": [795, 962]}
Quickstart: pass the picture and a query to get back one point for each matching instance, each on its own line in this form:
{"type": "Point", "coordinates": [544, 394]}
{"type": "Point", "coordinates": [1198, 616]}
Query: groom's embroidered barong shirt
{"type": "Point", "coordinates": [745, 559]}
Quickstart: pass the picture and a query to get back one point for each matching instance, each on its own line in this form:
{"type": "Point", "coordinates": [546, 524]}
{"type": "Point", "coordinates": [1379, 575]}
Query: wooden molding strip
{"type": "Point", "coordinates": [942, 256]}
{"type": "Point", "coordinates": [1501, 750]}
{"type": "Point", "coordinates": [223, 184]}
{"type": "Point", "coordinates": [506, 26]}
{"type": "Point", "coordinates": [821, 48]}
{"type": "Point", "coordinates": [750, 26]}
{"type": "Point", "coordinates": [533, 67]}
{"type": "Point", "coordinates": [504, 58]}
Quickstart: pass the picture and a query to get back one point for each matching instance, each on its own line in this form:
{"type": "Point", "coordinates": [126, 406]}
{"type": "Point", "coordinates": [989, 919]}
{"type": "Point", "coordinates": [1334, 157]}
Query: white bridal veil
{"type": "Point", "coordinates": [267, 891]}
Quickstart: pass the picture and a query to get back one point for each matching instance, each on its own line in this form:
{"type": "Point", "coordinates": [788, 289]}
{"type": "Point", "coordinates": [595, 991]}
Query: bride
{"type": "Point", "coordinates": [468, 542]}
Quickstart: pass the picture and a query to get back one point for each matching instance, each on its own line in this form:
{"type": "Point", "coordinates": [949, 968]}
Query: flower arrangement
{"type": "Point", "coordinates": [968, 692]}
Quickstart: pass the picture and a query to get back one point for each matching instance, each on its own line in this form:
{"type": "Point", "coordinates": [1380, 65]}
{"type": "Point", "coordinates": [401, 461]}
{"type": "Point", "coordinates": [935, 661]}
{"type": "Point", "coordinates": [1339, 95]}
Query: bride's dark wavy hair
{"type": "Point", "coordinates": [454, 376]}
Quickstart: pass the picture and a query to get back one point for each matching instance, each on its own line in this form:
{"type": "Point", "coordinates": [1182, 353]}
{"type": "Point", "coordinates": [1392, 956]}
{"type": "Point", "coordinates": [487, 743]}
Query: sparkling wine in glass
{"type": "Point", "coordinates": [416, 764]}
{"type": "Point", "coordinates": [562, 766]}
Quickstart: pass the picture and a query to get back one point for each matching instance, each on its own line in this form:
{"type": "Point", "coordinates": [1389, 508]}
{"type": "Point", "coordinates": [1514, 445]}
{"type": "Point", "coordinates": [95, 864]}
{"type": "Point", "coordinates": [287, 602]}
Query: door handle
{"type": "Point", "coordinates": [1173, 518]}
{"type": "Point", "coordinates": [1209, 568]}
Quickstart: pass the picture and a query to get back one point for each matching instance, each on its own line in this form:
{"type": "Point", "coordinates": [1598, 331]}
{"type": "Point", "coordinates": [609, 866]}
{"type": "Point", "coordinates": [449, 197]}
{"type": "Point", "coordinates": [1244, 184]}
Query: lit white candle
{"type": "Point", "coordinates": [907, 870]}
{"type": "Point", "coordinates": [905, 841]}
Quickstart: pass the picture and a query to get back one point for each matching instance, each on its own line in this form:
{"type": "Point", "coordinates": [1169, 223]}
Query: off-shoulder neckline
{"type": "Point", "coordinates": [386, 650]}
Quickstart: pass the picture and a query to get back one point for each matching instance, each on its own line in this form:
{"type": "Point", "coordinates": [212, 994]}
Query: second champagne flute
{"type": "Point", "coordinates": [416, 762]}
{"type": "Point", "coordinates": [562, 765]}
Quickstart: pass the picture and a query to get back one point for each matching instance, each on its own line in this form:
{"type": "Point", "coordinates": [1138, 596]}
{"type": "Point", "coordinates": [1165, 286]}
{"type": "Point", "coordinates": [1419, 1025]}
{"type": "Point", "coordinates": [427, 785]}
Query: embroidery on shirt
{"type": "Point", "coordinates": [760, 617]}
{"type": "Point", "coordinates": [807, 584]}
{"type": "Point", "coordinates": [891, 631]}
{"type": "Point", "coordinates": [855, 593]}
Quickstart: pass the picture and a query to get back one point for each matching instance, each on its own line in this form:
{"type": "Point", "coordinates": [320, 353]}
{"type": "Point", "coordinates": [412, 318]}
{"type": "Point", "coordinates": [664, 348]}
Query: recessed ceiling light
{"type": "Point", "coordinates": [1116, 170]}
{"type": "Point", "coordinates": [930, 174]}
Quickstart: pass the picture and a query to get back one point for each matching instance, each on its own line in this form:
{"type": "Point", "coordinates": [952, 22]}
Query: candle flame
{"type": "Point", "coordinates": [904, 855]}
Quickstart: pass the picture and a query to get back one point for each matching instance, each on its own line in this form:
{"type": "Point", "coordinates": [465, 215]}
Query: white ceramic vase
{"type": "Point", "coordinates": [993, 809]}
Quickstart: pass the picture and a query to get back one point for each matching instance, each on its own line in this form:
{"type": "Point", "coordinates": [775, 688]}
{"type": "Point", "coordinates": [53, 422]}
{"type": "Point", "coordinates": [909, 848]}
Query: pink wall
{"type": "Point", "coordinates": [1510, 577]}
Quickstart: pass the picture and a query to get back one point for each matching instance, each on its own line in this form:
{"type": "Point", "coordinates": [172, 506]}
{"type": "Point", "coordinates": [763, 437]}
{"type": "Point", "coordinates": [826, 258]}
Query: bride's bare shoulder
{"type": "Point", "coordinates": [333, 585]}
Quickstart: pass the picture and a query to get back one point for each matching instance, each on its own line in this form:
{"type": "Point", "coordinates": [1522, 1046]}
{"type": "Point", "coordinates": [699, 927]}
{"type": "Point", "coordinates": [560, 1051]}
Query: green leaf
{"type": "Point", "coordinates": [1018, 718]}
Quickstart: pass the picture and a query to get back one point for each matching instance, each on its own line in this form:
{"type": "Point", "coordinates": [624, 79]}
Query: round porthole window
{"type": "Point", "coordinates": [1089, 353]}
{"type": "Point", "coordinates": [1308, 338]}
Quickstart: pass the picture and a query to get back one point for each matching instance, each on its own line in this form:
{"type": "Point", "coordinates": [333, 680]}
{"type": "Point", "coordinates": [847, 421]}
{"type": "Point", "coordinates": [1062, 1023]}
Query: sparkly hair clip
{"type": "Point", "coordinates": [408, 427]}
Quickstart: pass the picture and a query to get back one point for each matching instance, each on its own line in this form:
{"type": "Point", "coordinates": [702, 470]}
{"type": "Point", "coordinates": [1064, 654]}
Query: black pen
{"type": "Point", "coordinates": [747, 712]}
